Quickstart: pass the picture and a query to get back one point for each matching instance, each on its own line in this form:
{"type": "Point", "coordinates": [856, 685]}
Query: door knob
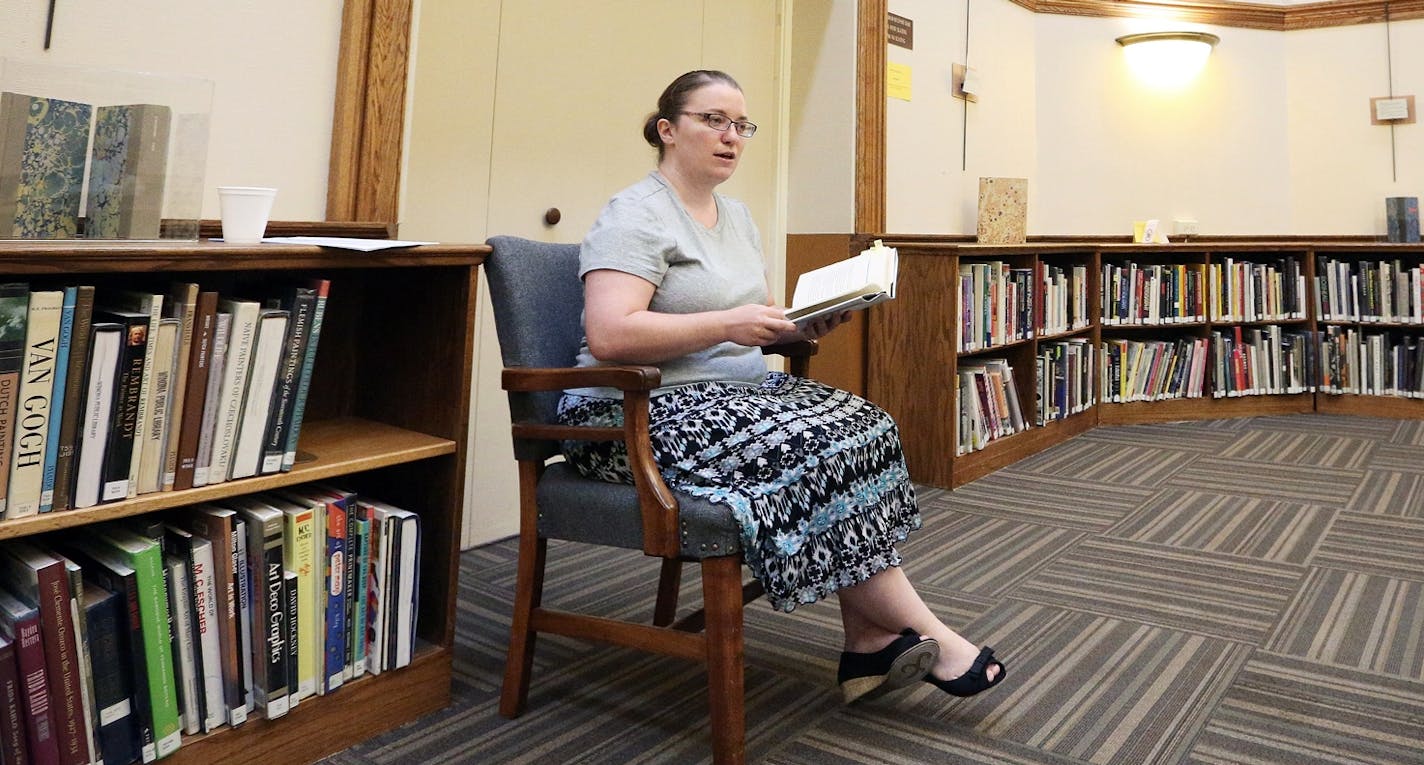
{"type": "Point", "coordinates": [552, 216]}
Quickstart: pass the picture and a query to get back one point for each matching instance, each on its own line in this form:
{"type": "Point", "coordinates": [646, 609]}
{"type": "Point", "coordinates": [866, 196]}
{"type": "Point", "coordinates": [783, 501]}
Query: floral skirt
{"type": "Point", "coordinates": [814, 476]}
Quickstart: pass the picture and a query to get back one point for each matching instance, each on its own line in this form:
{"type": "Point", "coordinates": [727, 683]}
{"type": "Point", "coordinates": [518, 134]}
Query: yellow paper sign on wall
{"type": "Point", "coordinates": [897, 81]}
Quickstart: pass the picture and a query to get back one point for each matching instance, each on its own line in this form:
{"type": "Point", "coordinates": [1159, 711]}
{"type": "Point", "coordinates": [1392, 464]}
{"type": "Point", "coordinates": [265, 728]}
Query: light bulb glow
{"type": "Point", "coordinates": [1167, 60]}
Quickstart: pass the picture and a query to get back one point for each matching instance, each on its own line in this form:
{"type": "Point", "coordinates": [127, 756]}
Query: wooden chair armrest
{"type": "Point", "coordinates": [793, 349]}
{"type": "Point", "coordinates": [626, 378]}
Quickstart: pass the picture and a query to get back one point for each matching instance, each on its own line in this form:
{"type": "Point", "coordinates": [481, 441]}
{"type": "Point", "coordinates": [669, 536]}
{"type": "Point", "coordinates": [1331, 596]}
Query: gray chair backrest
{"type": "Point", "coordinates": [537, 298]}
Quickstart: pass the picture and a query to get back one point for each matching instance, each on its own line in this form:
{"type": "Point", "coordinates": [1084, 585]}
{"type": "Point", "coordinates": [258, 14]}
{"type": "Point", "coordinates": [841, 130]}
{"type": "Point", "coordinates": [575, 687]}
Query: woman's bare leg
{"type": "Point", "coordinates": [874, 611]}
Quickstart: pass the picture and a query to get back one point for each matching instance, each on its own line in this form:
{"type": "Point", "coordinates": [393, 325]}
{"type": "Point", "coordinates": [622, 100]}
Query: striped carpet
{"type": "Point", "coordinates": [1232, 591]}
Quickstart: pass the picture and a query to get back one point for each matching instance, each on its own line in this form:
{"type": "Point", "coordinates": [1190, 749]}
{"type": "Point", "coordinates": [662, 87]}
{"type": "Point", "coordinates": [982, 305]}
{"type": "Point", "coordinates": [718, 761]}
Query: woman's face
{"type": "Point", "coordinates": [697, 149]}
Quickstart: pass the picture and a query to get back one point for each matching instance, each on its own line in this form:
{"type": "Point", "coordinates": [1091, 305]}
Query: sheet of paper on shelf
{"type": "Point", "coordinates": [343, 242]}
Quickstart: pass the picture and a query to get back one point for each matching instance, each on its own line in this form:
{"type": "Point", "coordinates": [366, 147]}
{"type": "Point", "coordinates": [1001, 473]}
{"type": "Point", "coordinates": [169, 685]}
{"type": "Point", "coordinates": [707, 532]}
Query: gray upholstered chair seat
{"type": "Point", "coordinates": [574, 508]}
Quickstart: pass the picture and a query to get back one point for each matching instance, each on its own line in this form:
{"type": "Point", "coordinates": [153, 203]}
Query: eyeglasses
{"type": "Point", "coordinates": [720, 123]}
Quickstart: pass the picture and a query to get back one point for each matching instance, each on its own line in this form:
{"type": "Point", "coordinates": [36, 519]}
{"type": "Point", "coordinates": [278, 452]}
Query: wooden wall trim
{"type": "Point", "coordinates": [368, 119]}
{"type": "Point", "coordinates": [1334, 13]}
{"type": "Point", "coordinates": [871, 30]}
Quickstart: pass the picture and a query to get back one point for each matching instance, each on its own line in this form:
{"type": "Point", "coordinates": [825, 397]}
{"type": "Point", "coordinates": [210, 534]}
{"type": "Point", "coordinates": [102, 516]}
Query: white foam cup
{"type": "Point", "coordinates": [244, 212]}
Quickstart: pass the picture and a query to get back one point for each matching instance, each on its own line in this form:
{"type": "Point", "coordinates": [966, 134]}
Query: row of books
{"type": "Point", "coordinates": [1249, 291]}
{"type": "Point", "coordinates": [1262, 361]}
{"type": "Point", "coordinates": [106, 394]}
{"type": "Point", "coordinates": [1064, 294]}
{"type": "Point", "coordinates": [1377, 364]}
{"type": "Point", "coordinates": [1369, 291]}
{"type": "Point", "coordinates": [988, 404]}
{"type": "Point", "coordinates": [1152, 370]}
{"type": "Point", "coordinates": [1152, 293]}
{"type": "Point", "coordinates": [996, 305]}
{"type": "Point", "coordinates": [45, 151]}
{"type": "Point", "coordinates": [119, 638]}
{"type": "Point", "coordinates": [1065, 379]}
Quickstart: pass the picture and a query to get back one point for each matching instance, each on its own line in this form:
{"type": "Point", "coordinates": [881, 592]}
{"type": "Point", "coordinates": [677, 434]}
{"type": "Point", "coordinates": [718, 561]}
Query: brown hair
{"type": "Point", "coordinates": [674, 99]}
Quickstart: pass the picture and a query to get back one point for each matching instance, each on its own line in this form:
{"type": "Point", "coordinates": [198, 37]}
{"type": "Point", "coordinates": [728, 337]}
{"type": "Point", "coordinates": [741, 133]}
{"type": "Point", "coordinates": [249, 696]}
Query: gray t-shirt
{"type": "Point", "coordinates": [646, 232]}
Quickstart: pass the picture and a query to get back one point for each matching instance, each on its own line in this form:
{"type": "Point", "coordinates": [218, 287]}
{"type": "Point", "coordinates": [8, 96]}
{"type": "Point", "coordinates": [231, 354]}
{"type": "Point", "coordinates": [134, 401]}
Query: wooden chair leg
{"type": "Point", "coordinates": [668, 583]}
{"type": "Point", "coordinates": [722, 599]}
{"type": "Point", "coordinates": [528, 593]}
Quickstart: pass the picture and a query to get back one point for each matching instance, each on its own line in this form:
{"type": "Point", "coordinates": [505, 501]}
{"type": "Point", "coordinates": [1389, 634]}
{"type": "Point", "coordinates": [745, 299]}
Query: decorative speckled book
{"type": "Point", "coordinates": [44, 143]}
{"type": "Point", "coordinates": [129, 160]}
{"type": "Point", "coordinates": [1003, 210]}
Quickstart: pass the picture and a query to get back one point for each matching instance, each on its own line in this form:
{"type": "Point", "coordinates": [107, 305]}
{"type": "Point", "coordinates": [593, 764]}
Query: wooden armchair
{"type": "Point", "coordinates": [538, 304]}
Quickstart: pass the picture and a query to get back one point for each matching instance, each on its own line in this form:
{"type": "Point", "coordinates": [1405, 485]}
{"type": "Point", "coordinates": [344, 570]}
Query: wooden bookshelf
{"type": "Point", "coordinates": [387, 415]}
{"type": "Point", "coordinates": [912, 357]}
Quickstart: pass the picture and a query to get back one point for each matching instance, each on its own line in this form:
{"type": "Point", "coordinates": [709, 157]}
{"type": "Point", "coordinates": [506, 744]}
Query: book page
{"type": "Point", "coordinates": [854, 283]}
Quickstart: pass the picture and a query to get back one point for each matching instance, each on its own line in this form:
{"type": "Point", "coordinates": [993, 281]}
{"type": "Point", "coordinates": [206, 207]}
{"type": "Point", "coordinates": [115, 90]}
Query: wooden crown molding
{"type": "Point", "coordinates": [1281, 18]}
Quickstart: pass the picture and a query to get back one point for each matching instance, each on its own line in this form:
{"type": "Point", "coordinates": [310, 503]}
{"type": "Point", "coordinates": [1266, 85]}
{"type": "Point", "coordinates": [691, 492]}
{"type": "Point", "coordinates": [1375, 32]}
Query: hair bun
{"type": "Point", "coordinates": [650, 130]}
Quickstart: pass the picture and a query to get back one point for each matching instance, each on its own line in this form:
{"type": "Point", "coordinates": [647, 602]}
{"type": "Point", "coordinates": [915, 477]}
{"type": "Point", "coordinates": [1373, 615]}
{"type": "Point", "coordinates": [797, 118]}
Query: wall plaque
{"type": "Point", "coordinates": [901, 32]}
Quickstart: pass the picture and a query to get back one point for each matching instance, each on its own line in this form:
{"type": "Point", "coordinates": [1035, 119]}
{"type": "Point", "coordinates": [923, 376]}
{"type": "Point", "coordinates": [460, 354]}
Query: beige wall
{"type": "Point", "coordinates": [1273, 138]}
{"type": "Point", "coordinates": [272, 62]}
{"type": "Point", "coordinates": [821, 130]}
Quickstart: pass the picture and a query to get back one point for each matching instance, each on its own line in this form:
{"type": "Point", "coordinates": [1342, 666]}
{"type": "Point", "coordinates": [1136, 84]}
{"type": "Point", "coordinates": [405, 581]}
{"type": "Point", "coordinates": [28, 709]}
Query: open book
{"type": "Point", "coordinates": [848, 285]}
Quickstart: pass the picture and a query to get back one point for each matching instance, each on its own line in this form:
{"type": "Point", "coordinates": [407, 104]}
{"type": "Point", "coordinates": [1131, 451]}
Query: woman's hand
{"type": "Point", "coordinates": [815, 330]}
{"type": "Point", "coordinates": [757, 325]}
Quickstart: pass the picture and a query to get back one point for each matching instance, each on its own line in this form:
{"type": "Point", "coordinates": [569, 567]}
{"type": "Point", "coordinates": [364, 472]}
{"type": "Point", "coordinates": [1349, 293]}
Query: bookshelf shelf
{"type": "Point", "coordinates": [333, 448]}
{"type": "Point", "coordinates": [386, 416]}
{"type": "Point", "coordinates": [922, 324]}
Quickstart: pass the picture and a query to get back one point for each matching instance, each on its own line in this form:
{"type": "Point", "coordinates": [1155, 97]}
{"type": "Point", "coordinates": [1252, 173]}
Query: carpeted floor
{"type": "Point", "coordinates": [1233, 591]}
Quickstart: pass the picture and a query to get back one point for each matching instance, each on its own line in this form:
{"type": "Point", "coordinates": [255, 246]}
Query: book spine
{"type": "Point", "coordinates": [58, 397]}
{"type": "Point", "coordinates": [300, 554]}
{"type": "Point", "coordinates": [261, 382]}
{"type": "Point", "coordinates": [184, 304]}
{"type": "Point", "coordinates": [152, 305]}
{"type": "Point", "coordinates": [40, 732]}
{"type": "Point", "coordinates": [244, 606]}
{"type": "Point", "coordinates": [289, 585]}
{"type": "Point", "coordinates": [205, 608]}
{"type": "Point", "coordinates": [153, 611]}
{"type": "Point", "coordinates": [32, 412]}
{"type": "Point", "coordinates": [289, 458]}
{"type": "Point", "coordinates": [155, 427]}
{"type": "Point", "coordinates": [357, 611]}
{"type": "Point", "coordinates": [118, 735]}
{"type": "Point", "coordinates": [98, 400]}
{"type": "Point", "coordinates": [302, 305]}
{"type": "Point", "coordinates": [335, 576]}
{"type": "Point", "coordinates": [12, 723]}
{"type": "Point", "coordinates": [185, 656]}
{"type": "Point", "coordinates": [14, 302]}
{"type": "Point", "coordinates": [123, 432]}
{"type": "Point", "coordinates": [234, 387]}
{"type": "Point", "coordinates": [62, 665]}
{"type": "Point", "coordinates": [269, 629]}
{"type": "Point", "coordinates": [190, 422]}
{"type": "Point", "coordinates": [351, 565]}
{"type": "Point", "coordinates": [222, 328]}
{"type": "Point", "coordinates": [69, 422]}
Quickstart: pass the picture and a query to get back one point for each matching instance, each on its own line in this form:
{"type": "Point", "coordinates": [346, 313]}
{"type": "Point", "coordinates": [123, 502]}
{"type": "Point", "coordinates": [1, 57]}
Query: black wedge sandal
{"type": "Point", "coordinates": [976, 679]}
{"type": "Point", "coordinates": [904, 661]}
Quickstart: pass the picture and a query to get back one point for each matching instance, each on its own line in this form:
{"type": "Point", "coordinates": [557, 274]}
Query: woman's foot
{"type": "Point", "coordinates": [984, 672]}
{"type": "Point", "coordinates": [905, 660]}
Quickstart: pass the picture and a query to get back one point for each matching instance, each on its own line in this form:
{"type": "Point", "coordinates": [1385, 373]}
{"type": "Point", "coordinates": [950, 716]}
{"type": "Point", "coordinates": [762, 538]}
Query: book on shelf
{"type": "Point", "coordinates": [33, 405]}
{"type": "Point", "coordinates": [300, 303]}
{"type": "Point", "coordinates": [242, 338]}
{"type": "Point", "coordinates": [44, 145]}
{"type": "Point", "coordinates": [71, 420]}
{"type": "Point", "coordinates": [322, 287]}
{"type": "Point", "coordinates": [195, 385]}
{"type": "Point", "coordinates": [187, 657]}
{"type": "Point", "coordinates": [245, 606]}
{"type": "Point", "coordinates": [300, 556]}
{"type": "Point", "coordinates": [100, 385]}
{"type": "Point", "coordinates": [400, 585]}
{"type": "Point", "coordinates": [155, 427]}
{"type": "Point", "coordinates": [267, 352]}
{"type": "Point", "coordinates": [127, 168]}
{"type": "Point", "coordinates": [269, 605]}
{"type": "Point", "coordinates": [80, 638]}
{"type": "Point", "coordinates": [12, 721]}
{"type": "Point", "coordinates": [59, 397]}
{"type": "Point", "coordinates": [852, 284]}
{"type": "Point", "coordinates": [14, 311]}
{"type": "Point", "coordinates": [336, 579]}
{"type": "Point", "coordinates": [20, 622]}
{"type": "Point", "coordinates": [217, 369]}
{"type": "Point", "coordinates": [289, 587]}
{"type": "Point", "coordinates": [128, 403]}
{"type": "Point", "coordinates": [182, 304]}
{"type": "Point", "coordinates": [118, 737]}
{"type": "Point", "coordinates": [1401, 219]}
{"type": "Point", "coordinates": [40, 579]}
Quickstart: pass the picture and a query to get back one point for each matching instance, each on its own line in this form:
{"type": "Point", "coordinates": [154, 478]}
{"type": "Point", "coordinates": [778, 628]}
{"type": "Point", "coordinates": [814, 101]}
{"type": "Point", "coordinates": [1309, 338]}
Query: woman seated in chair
{"type": "Point", "coordinates": [815, 477]}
